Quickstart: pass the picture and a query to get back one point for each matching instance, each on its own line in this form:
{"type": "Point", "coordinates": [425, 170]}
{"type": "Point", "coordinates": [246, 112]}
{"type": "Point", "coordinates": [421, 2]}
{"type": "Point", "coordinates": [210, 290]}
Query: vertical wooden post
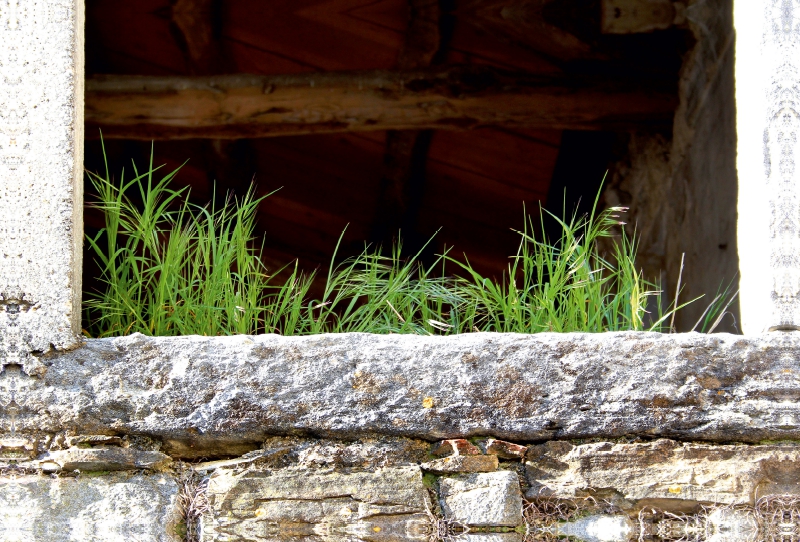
{"type": "Point", "coordinates": [768, 129]}
{"type": "Point", "coordinates": [41, 171]}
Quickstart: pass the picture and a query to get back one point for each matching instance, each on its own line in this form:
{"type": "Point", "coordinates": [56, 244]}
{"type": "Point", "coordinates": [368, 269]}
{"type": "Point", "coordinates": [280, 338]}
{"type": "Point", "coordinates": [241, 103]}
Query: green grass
{"type": "Point", "coordinates": [169, 267]}
{"type": "Point", "coordinates": [716, 311]}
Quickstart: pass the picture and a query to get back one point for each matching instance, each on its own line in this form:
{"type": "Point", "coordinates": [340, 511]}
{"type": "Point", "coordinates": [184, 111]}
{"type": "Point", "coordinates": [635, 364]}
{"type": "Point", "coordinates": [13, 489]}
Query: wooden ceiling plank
{"type": "Point", "coordinates": [495, 154]}
{"type": "Point", "coordinates": [403, 180]}
{"type": "Point", "coordinates": [144, 44]}
{"type": "Point", "coordinates": [522, 21]}
{"type": "Point", "coordinates": [319, 173]}
{"type": "Point", "coordinates": [242, 106]}
{"type": "Point", "coordinates": [231, 163]}
{"type": "Point", "coordinates": [247, 58]}
{"type": "Point", "coordinates": [318, 33]}
{"type": "Point", "coordinates": [194, 19]}
{"type": "Point", "coordinates": [487, 200]}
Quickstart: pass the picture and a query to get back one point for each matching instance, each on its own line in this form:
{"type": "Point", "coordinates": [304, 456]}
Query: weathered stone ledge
{"type": "Point", "coordinates": [206, 397]}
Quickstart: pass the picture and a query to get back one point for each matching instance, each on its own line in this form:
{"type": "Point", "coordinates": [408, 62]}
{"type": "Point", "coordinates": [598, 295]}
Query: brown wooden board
{"type": "Point", "coordinates": [238, 106]}
{"type": "Point", "coordinates": [320, 34]}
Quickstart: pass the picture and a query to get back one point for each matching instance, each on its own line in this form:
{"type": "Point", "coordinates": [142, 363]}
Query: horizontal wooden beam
{"type": "Point", "coordinates": [242, 106]}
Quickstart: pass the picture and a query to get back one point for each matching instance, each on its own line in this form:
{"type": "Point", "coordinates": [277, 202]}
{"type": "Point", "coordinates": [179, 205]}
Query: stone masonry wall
{"type": "Point", "coordinates": [390, 488]}
{"type": "Point", "coordinates": [355, 437]}
{"type": "Point", "coordinates": [480, 437]}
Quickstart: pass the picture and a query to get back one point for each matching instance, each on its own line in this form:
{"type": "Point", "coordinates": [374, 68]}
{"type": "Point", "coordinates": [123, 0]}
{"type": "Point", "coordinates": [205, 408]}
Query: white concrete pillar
{"type": "Point", "coordinates": [41, 163]}
{"type": "Point", "coordinates": [768, 130]}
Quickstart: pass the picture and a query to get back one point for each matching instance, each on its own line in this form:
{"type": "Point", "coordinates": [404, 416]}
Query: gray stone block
{"type": "Point", "coordinates": [663, 470]}
{"type": "Point", "coordinates": [386, 504]}
{"type": "Point", "coordinates": [462, 463]}
{"type": "Point", "coordinates": [101, 509]}
{"type": "Point", "coordinates": [486, 499]}
{"type": "Point", "coordinates": [222, 396]}
{"type": "Point", "coordinates": [600, 528]}
{"type": "Point", "coordinates": [491, 537]}
{"type": "Point", "coordinates": [102, 459]}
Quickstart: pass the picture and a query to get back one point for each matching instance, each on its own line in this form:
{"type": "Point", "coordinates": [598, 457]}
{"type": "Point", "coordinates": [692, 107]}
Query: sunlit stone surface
{"type": "Point", "coordinates": [109, 508]}
{"type": "Point", "coordinates": [364, 465]}
{"type": "Point", "coordinates": [377, 490]}
{"type": "Point", "coordinates": [522, 388]}
{"type": "Point", "coordinates": [491, 498]}
{"type": "Point", "coordinates": [731, 525]}
{"type": "Point", "coordinates": [663, 469]}
{"type": "Point", "coordinates": [768, 111]}
{"type": "Point", "coordinates": [388, 504]}
{"type": "Point", "coordinates": [41, 175]}
{"type": "Point", "coordinates": [603, 528]}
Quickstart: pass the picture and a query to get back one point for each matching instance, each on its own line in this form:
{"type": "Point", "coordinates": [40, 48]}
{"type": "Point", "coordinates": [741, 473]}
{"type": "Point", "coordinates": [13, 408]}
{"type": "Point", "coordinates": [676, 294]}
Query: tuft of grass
{"type": "Point", "coordinates": [173, 268]}
{"type": "Point", "coordinates": [716, 311]}
{"type": "Point", "coordinates": [563, 286]}
{"type": "Point", "coordinates": [169, 267]}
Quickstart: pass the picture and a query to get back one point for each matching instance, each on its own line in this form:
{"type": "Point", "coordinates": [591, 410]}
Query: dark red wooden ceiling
{"type": "Point", "coordinates": [476, 182]}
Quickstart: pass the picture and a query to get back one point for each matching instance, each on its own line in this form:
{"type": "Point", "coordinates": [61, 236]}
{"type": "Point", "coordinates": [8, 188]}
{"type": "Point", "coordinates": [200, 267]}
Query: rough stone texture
{"type": "Point", "coordinates": [682, 190]}
{"type": "Point", "coordinates": [454, 446]}
{"type": "Point", "coordinates": [732, 525]}
{"type": "Point", "coordinates": [102, 459]}
{"type": "Point", "coordinates": [365, 453]}
{"type": "Point", "coordinates": [319, 490]}
{"type": "Point", "coordinates": [387, 504]}
{"type": "Point", "coordinates": [492, 537]}
{"type": "Point", "coordinates": [224, 396]}
{"type": "Point", "coordinates": [93, 440]}
{"type": "Point", "coordinates": [503, 449]}
{"type": "Point", "coordinates": [462, 463]}
{"type": "Point", "coordinates": [492, 498]}
{"type": "Point", "coordinates": [41, 176]}
{"type": "Point", "coordinates": [102, 509]}
{"type": "Point", "coordinates": [663, 470]}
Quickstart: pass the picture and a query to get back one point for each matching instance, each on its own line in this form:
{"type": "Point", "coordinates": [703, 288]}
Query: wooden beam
{"type": "Point", "coordinates": [240, 106]}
